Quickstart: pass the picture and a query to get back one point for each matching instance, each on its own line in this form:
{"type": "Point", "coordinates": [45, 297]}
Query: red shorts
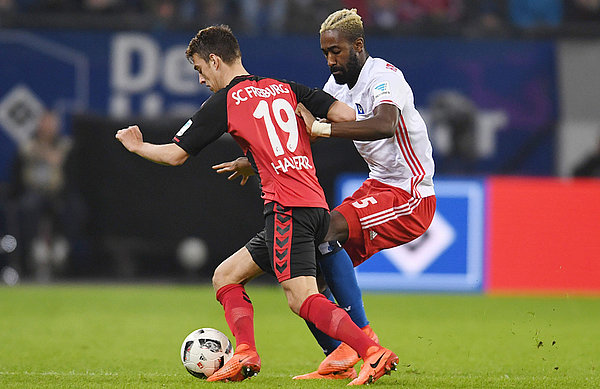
{"type": "Point", "coordinates": [381, 216]}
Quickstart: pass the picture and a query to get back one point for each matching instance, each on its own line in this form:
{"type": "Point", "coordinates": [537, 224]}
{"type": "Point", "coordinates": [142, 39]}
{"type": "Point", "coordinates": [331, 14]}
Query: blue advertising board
{"type": "Point", "coordinates": [448, 257]}
{"type": "Point", "coordinates": [146, 74]}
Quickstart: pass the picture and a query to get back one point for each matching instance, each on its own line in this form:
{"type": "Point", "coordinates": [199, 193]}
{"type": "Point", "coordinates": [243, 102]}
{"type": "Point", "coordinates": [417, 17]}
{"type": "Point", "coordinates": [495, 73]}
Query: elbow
{"type": "Point", "coordinates": [385, 130]}
{"type": "Point", "coordinates": [346, 117]}
{"type": "Point", "coordinates": [341, 112]}
{"type": "Point", "coordinates": [388, 132]}
{"type": "Point", "coordinates": [177, 159]}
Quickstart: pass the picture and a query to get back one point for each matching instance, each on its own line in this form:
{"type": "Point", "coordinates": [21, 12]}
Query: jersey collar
{"type": "Point", "coordinates": [238, 79]}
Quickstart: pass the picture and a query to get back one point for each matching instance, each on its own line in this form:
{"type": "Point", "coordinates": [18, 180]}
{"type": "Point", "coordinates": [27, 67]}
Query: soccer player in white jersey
{"type": "Point", "coordinates": [395, 205]}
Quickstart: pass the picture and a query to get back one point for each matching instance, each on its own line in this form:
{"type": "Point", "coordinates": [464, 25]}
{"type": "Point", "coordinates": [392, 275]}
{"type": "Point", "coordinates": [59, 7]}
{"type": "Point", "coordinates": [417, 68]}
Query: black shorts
{"type": "Point", "coordinates": [287, 246]}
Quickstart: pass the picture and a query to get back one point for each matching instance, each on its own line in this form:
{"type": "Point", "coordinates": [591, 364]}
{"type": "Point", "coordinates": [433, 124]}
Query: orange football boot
{"type": "Point", "coordinates": [244, 363]}
{"type": "Point", "coordinates": [378, 363]}
{"type": "Point", "coordinates": [344, 357]}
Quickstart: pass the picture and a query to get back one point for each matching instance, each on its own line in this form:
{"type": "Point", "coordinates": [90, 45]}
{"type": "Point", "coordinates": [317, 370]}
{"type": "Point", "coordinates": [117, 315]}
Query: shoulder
{"type": "Point", "coordinates": [215, 101]}
{"type": "Point", "coordinates": [382, 70]}
{"type": "Point", "coordinates": [213, 108]}
{"type": "Point", "coordinates": [385, 77]}
{"type": "Point", "coordinates": [217, 98]}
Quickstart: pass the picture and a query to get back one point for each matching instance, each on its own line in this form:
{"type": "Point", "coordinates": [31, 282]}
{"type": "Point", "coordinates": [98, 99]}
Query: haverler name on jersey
{"type": "Point", "coordinates": [297, 162]}
{"type": "Point", "coordinates": [250, 92]}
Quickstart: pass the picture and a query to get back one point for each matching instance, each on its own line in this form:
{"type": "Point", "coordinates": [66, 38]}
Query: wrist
{"type": "Point", "coordinates": [321, 129]}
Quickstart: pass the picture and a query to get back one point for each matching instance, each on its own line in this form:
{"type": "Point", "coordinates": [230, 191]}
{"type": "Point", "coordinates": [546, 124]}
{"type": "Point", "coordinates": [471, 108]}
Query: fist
{"type": "Point", "coordinates": [130, 137]}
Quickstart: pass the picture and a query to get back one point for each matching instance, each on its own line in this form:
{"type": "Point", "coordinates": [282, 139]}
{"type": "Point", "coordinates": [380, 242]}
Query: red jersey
{"type": "Point", "coordinates": [259, 114]}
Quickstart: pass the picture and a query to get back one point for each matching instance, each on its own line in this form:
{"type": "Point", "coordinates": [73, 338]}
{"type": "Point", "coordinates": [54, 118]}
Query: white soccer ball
{"type": "Point", "coordinates": [205, 351]}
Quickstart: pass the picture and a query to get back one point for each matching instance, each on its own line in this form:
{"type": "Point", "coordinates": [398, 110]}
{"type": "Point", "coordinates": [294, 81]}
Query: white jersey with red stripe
{"type": "Point", "coordinates": [404, 160]}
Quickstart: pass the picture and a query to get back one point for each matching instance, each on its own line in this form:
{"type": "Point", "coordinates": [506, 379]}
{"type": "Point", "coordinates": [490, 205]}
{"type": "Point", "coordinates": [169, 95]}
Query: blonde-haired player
{"type": "Point", "coordinates": [395, 205]}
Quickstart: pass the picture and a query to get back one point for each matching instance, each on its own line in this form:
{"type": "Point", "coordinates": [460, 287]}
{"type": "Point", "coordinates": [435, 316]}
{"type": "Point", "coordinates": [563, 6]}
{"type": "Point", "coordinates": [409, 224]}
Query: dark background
{"type": "Point", "coordinates": [138, 212]}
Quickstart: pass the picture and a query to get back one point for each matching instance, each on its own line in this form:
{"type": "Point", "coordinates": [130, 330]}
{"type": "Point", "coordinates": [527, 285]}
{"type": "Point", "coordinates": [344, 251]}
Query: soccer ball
{"type": "Point", "coordinates": [205, 351]}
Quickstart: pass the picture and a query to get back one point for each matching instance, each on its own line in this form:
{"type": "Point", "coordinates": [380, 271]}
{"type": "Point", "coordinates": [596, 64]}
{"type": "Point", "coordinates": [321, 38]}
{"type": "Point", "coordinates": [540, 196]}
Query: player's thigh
{"type": "Point", "coordinates": [291, 238]}
{"type": "Point", "coordinates": [338, 228]}
{"type": "Point", "coordinates": [260, 251]}
{"type": "Point", "coordinates": [239, 268]}
{"type": "Point", "coordinates": [321, 283]}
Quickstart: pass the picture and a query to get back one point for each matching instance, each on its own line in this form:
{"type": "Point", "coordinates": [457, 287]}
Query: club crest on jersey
{"type": "Point", "coordinates": [360, 109]}
{"type": "Point", "coordinates": [381, 89]}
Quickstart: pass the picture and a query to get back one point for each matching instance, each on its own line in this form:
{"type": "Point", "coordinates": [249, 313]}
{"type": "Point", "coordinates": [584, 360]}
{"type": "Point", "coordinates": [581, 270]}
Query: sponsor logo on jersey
{"type": "Point", "coordinates": [391, 67]}
{"type": "Point", "coordinates": [360, 109]}
{"type": "Point", "coordinates": [183, 129]}
{"type": "Point", "coordinates": [381, 89]}
{"type": "Point", "coordinates": [251, 92]}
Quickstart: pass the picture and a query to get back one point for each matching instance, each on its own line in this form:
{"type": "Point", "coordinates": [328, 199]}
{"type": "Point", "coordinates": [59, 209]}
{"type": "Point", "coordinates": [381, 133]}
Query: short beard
{"type": "Point", "coordinates": [350, 74]}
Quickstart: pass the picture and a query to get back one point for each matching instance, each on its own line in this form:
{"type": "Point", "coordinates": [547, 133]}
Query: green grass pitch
{"type": "Point", "coordinates": [98, 336]}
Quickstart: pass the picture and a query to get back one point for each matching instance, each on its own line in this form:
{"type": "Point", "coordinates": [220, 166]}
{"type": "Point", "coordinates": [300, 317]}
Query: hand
{"type": "Point", "coordinates": [314, 128]}
{"type": "Point", "coordinates": [131, 137]}
{"type": "Point", "coordinates": [308, 117]}
{"type": "Point", "coordinates": [239, 167]}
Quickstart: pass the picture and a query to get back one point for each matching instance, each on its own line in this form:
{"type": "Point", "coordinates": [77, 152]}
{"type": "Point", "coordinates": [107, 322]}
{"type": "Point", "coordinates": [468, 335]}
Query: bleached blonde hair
{"type": "Point", "coordinates": [345, 20]}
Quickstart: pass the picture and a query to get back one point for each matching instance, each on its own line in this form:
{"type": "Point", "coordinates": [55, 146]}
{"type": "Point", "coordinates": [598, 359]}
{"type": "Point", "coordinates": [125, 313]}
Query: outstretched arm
{"type": "Point", "coordinates": [383, 124]}
{"type": "Point", "coordinates": [165, 154]}
{"type": "Point", "coordinates": [241, 167]}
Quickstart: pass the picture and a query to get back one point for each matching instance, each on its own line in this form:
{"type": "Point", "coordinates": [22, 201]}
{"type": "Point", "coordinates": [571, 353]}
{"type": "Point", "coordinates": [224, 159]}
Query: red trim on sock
{"type": "Point", "coordinates": [239, 313]}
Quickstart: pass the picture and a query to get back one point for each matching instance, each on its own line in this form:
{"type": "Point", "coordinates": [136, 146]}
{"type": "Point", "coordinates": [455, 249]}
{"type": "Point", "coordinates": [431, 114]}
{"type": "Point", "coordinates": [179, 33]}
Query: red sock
{"type": "Point", "coordinates": [239, 313]}
{"type": "Point", "coordinates": [335, 322]}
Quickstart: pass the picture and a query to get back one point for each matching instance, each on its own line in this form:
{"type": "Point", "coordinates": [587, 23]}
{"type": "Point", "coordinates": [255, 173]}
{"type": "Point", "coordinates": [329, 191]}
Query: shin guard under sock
{"type": "Point", "coordinates": [239, 313]}
{"type": "Point", "coordinates": [327, 343]}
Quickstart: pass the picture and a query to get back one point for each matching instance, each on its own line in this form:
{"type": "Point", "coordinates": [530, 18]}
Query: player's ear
{"type": "Point", "coordinates": [358, 45]}
{"type": "Point", "coordinates": [214, 61]}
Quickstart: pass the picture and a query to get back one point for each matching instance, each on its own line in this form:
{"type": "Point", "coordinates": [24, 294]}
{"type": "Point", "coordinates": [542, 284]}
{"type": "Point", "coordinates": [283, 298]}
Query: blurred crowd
{"type": "Point", "coordinates": [42, 209]}
{"type": "Point", "coordinates": [303, 16]}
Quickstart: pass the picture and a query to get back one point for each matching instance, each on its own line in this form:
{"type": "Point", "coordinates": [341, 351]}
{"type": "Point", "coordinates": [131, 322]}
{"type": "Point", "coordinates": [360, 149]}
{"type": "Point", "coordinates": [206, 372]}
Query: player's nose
{"type": "Point", "coordinates": [331, 60]}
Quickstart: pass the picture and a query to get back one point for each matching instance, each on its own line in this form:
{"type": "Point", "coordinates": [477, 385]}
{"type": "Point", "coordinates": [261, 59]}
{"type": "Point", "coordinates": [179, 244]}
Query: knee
{"type": "Point", "coordinates": [220, 278]}
{"type": "Point", "coordinates": [296, 298]}
{"type": "Point", "coordinates": [297, 290]}
{"type": "Point", "coordinates": [295, 304]}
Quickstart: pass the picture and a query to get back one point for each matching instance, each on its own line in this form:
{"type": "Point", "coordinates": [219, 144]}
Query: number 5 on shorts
{"type": "Point", "coordinates": [364, 202]}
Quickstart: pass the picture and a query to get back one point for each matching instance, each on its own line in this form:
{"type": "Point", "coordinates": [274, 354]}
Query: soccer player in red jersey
{"type": "Point", "coordinates": [259, 113]}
